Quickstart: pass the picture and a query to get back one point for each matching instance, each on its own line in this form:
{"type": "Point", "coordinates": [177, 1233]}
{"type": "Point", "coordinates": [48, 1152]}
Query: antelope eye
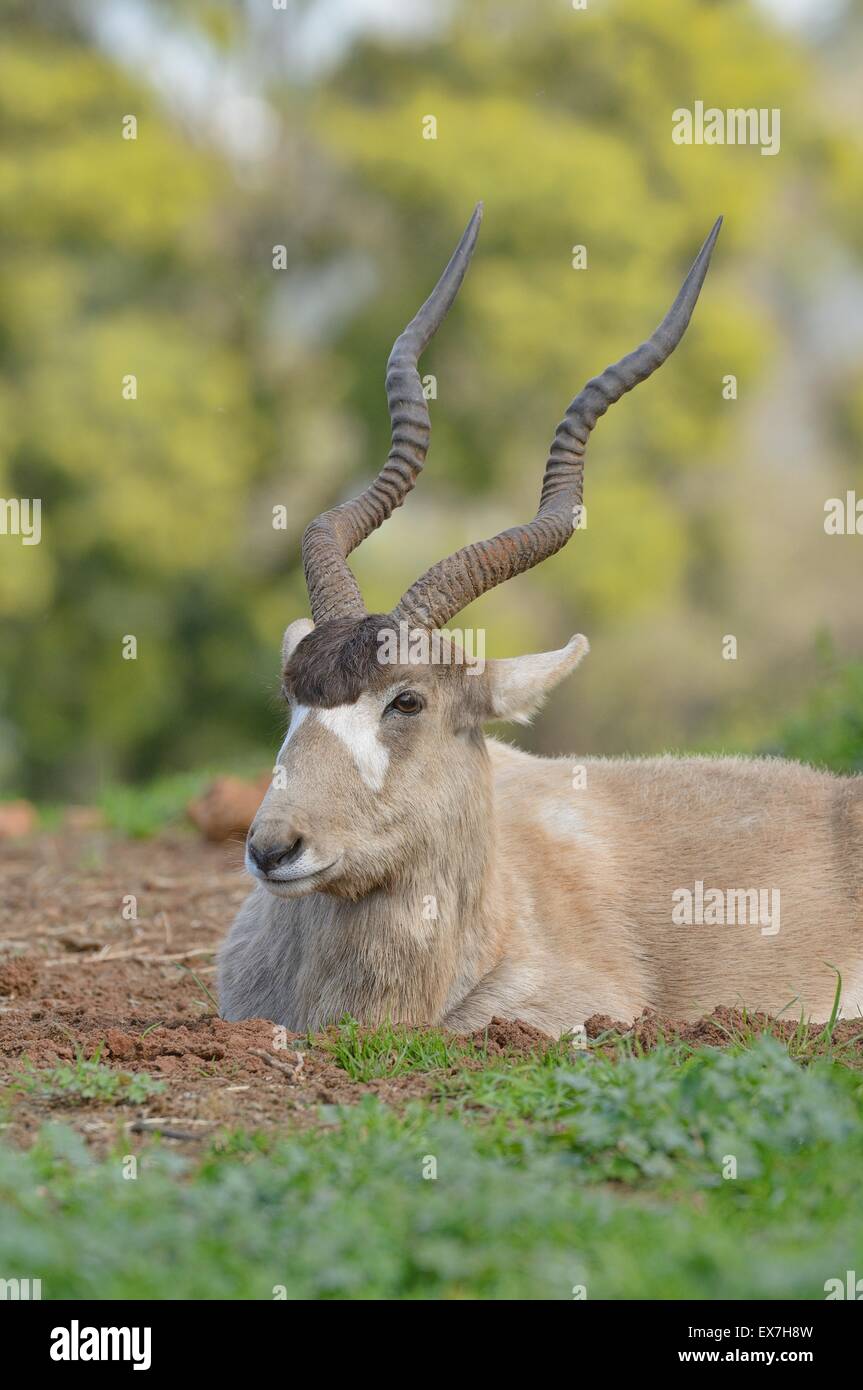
{"type": "Point", "coordinates": [406, 702]}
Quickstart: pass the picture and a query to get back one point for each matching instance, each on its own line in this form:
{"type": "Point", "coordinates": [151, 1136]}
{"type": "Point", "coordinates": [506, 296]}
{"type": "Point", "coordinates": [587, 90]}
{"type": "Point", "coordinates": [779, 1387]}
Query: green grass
{"type": "Point", "coordinates": [604, 1171]}
{"type": "Point", "coordinates": [368, 1053]}
{"type": "Point", "coordinates": [673, 1114]}
{"type": "Point", "coordinates": [85, 1079]}
{"type": "Point", "coordinates": [392, 1050]}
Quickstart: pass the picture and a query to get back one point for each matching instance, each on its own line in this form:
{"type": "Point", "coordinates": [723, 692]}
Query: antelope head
{"type": "Point", "coordinates": [381, 759]}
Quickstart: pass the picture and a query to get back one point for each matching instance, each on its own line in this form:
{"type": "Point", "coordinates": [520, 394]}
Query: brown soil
{"type": "Point", "coordinates": [724, 1026]}
{"type": "Point", "coordinates": [75, 975]}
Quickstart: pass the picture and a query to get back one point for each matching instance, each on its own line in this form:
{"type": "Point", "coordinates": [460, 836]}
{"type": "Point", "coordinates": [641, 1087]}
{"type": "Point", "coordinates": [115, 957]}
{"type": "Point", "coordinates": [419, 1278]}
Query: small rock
{"type": "Point", "coordinates": [119, 1045]}
{"type": "Point", "coordinates": [17, 818]}
{"type": "Point", "coordinates": [228, 806]}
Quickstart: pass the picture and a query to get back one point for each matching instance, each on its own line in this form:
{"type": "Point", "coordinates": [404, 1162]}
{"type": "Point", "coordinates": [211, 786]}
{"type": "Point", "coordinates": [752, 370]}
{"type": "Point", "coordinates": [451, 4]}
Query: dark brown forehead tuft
{"type": "Point", "coordinates": [337, 661]}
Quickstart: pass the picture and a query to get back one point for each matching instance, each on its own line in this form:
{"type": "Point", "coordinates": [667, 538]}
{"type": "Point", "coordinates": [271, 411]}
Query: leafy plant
{"type": "Point", "coordinates": [87, 1078]}
{"type": "Point", "coordinates": [603, 1172]}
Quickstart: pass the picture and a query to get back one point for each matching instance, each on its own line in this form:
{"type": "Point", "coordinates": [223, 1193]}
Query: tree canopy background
{"type": "Point", "coordinates": [259, 387]}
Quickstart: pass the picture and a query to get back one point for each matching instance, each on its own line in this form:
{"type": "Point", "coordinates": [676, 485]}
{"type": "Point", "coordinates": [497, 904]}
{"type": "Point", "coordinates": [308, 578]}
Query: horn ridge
{"type": "Point", "coordinates": [450, 585]}
{"type": "Point", "coordinates": [330, 538]}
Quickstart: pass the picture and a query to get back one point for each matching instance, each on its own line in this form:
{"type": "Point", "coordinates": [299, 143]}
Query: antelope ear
{"type": "Point", "coordinates": [515, 687]}
{"type": "Point", "coordinates": [294, 634]}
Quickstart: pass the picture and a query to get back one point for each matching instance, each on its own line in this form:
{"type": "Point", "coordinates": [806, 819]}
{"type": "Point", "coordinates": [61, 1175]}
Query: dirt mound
{"type": "Point", "coordinates": [18, 978]}
{"type": "Point", "coordinates": [513, 1037]}
{"type": "Point", "coordinates": [721, 1028]}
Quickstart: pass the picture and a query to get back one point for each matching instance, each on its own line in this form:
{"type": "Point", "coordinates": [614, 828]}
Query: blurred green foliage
{"type": "Point", "coordinates": [141, 811]}
{"type": "Point", "coordinates": [259, 387]}
{"type": "Point", "coordinates": [828, 729]}
{"type": "Point", "coordinates": [607, 1174]}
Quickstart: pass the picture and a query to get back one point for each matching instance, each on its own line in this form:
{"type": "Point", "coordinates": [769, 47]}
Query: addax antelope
{"type": "Point", "coordinates": [407, 867]}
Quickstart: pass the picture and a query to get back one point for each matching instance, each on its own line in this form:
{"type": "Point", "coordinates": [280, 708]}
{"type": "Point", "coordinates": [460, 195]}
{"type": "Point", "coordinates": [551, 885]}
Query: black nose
{"type": "Point", "coordinates": [271, 857]}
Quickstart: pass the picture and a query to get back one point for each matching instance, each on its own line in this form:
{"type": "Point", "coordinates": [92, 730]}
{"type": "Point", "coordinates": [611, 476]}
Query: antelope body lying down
{"type": "Point", "coordinates": [409, 868]}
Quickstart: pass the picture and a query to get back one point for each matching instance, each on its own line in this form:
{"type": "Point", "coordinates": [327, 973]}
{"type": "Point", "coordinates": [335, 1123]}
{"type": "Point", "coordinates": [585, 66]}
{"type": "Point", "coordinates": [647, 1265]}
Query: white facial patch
{"type": "Point", "coordinates": [358, 728]}
{"type": "Point", "coordinates": [298, 715]}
